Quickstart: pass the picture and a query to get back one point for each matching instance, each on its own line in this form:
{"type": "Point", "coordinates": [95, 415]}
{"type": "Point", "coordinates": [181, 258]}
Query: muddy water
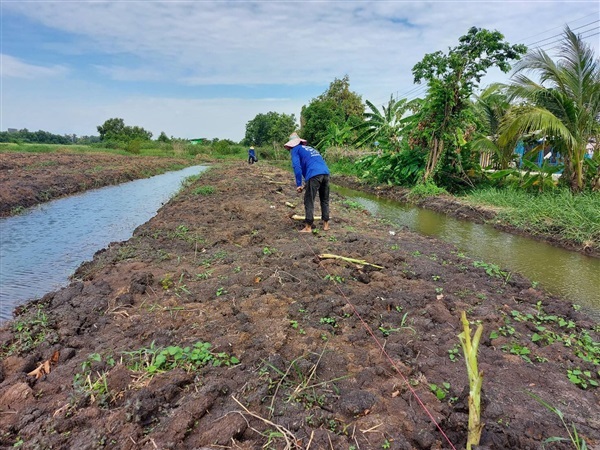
{"type": "Point", "coordinates": [562, 272]}
{"type": "Point", "coordinates": [41, 248]}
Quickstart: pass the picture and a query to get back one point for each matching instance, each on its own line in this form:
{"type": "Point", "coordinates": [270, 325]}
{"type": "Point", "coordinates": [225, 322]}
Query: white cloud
{"type": "Point", "coordinates": [16, 68]}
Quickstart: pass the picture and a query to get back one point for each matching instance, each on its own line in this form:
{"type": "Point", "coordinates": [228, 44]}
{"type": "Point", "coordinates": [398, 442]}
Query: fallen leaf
{"type": "Point", "coordinates": [395, 394]}
{"type": "Point", "coordinates": [41, 370]}
{"type": "Point", "coordinates": [44, 368]}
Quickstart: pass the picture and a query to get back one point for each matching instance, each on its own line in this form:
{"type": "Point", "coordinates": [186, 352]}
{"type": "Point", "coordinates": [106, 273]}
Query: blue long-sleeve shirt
{"type": "Point", "coordinates": [307, 163]}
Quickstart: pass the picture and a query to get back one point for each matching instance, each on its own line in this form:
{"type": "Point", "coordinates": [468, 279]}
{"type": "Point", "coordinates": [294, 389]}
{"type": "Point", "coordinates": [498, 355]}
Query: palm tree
{"type": "Point", "coordinates": [564, 106]}
{"type": "Point", "coordinates": [491, 106]}
{"type": "Point", "coordinates": [383, 126]}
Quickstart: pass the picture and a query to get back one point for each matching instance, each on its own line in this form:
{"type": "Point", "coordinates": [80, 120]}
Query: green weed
{"type": "Point", "coordinates": [204, 190]}
{"type": "Point", "coordinates": [577, 441]}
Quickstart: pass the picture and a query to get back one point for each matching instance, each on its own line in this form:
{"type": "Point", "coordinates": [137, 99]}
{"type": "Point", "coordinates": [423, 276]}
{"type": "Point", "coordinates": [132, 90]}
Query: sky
{"type": "Point", "coordinates": [204, 69]}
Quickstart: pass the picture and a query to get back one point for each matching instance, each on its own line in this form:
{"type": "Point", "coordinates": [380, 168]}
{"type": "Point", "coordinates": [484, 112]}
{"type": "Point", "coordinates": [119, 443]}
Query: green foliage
{"type": "Point", "coordinates": [336, 136]}
{"type": "Point", "coordinates": [564, 107]}
{"type": "Point", "coordinates": [31, 329]}
{"type": "Point", "coordinates": [491, 108]}
{"type": "Point", "coordinates": [204, 190]}
{"type": "Point", "coordinates": [428, 189]}
{"type": "Point", "coordinates": [270, 128]}
{"type": "Point", "coordinates": [338, 105]}
{"type": "Point", "coordinates": [446, 123]}
{"type": "Point", "coordinates": [383, 127]}
{"type": "Point", "coordinates": [581, 378]}
{"type": "Point", "coordinates": [530, 176]}
{"type": "Point", "coordinates": [559, 213]}
{"type": "Point", "coordinates": [404, 168]}
{"type": "Point", "coordinates": [115, 130]}
{"type": "Point", "coordinates": [440, 391]}
{"type": "Point", "coordinates": [40, 137]}
{"type": "Point", "coordinates": [163, 137]}
{"type": "Point", "coordinates": [154, 360]}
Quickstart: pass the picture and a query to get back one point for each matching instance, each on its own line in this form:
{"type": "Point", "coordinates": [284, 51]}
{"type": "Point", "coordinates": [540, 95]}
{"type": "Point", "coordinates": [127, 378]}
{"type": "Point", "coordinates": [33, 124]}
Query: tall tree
{"type": "Point", "coordinates": [115, 130]}
{"type": "Point", "coordinates": [564, 106]}
{"type": "Point", "coordinates": [451, 79]}
{"type": "Point", "coordinates": [338, 105]}
{"type": "Point", "coordinates": [269, 128]}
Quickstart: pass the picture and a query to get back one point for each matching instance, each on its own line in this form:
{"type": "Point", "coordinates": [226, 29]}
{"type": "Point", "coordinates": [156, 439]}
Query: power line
{"type": "Point", "coordinates": [573, 21]}
{"type": "Point", "coordinates": [572, 29]}
{"type": "Point", "coordinates": [550, 45]}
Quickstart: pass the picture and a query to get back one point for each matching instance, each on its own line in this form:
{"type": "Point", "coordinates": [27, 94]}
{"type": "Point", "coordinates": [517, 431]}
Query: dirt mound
{"type": "Point", "coordinates": [217, 325]}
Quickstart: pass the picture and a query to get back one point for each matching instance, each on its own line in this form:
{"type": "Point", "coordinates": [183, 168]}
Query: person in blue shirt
{"type": "Point", "coordinates": [310, 167]}
{"type": "Point", "coordinates": [251, 156]}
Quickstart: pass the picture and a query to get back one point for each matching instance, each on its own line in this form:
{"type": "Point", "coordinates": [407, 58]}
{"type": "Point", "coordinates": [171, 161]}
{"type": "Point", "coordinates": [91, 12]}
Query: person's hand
{"type": "Point", "coordinates": [299, 188]}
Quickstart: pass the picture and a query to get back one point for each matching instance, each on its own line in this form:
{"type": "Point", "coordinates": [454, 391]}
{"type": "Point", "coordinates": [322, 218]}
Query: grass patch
{"type": "Point", "coordinates": [559, 213]}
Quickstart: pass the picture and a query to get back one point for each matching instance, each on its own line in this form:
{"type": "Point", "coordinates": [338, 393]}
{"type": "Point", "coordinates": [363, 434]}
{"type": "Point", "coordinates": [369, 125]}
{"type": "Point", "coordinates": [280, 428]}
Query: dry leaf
{"type": "Point", "coordinates": [44, 368]}
{"type": "Point", "coordinates": [395, 394]}
{"type": "Point", "coordinates": [41, 370]}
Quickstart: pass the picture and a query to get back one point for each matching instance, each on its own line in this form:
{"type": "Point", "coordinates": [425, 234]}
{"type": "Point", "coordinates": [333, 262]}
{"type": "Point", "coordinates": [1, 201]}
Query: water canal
{"type": "Point", "coordinates": [562, 272]}
{"type": "Point", "coordinates": [42, 247]}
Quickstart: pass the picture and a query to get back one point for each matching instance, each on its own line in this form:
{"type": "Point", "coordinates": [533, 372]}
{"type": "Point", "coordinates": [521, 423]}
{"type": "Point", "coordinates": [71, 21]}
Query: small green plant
{"type": "Point", "coordinates": [221, 291]}
{"type": "Point", "coordinates": [154, 360]}
{"type": "Point", "coordinates": [454, 353]}
{"type": "Point", "coordinates": [351, 204]}
{"type": "Point", "coordinates": [19, 441]}
{"type": "Point", "coordinates": [204, 190]}
{"type": "Point", "coordinates": [581, 378]}
{"type": "Point", "coordinates": [440, 391]}
{"type": "Point", "coordinates": [519, 350]}
{"type": "Point", "coordinates": [17, 210]}
{"type": "Point", "coordinates": [294, 324]}
{"type": "Point", "coordinates": [267, 251]}
{"type": "Point", "coordinates": [29, 331]}
{"type": "Point", "coordinates": [328, 321]}
{"type": "Point", "coordinates": [386, 444]}
{"type": "Point", "coordinates": [334, 278]}
{"type": "Point", "coordinates": [493, 270]}
{"type": "Point", "coordinates": [204, 275]}
{"type": "Point", "coordinates": [167, 282]}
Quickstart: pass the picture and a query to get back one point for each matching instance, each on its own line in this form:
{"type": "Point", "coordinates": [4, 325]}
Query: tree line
{"type": "Point", "coordinates": [44, 137]}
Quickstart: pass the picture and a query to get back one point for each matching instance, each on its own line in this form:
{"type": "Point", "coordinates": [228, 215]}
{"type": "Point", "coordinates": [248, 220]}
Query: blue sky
{"type": "Point", "coordinates": [205, 68]}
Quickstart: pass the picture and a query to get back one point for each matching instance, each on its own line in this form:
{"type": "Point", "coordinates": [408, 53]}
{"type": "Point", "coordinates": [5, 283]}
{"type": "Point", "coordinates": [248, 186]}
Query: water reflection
{"type": "Point", "coordinates": [569, 274]}
{"type": "Point", "coordinates": [41, 248]}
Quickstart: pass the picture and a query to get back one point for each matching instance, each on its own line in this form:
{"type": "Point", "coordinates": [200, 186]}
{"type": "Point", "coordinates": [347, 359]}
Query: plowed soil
{"type": "Point", "coordinates": [306, 351]}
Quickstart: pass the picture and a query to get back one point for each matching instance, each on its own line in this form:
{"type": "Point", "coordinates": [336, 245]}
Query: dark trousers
{"type": "Point", "coordinates": [317, 184]}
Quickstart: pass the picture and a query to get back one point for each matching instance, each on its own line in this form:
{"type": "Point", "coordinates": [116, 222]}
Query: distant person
{"type": "Point", "coordinates": [252, 156]}
{"type": "Point", "coordinates": [310, 166]}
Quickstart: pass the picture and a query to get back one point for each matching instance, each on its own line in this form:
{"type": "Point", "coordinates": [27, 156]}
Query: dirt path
{"type": "Point", "coordinates": [28, 179]}
{"type": "Point", "coordinates": [304, 352]}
